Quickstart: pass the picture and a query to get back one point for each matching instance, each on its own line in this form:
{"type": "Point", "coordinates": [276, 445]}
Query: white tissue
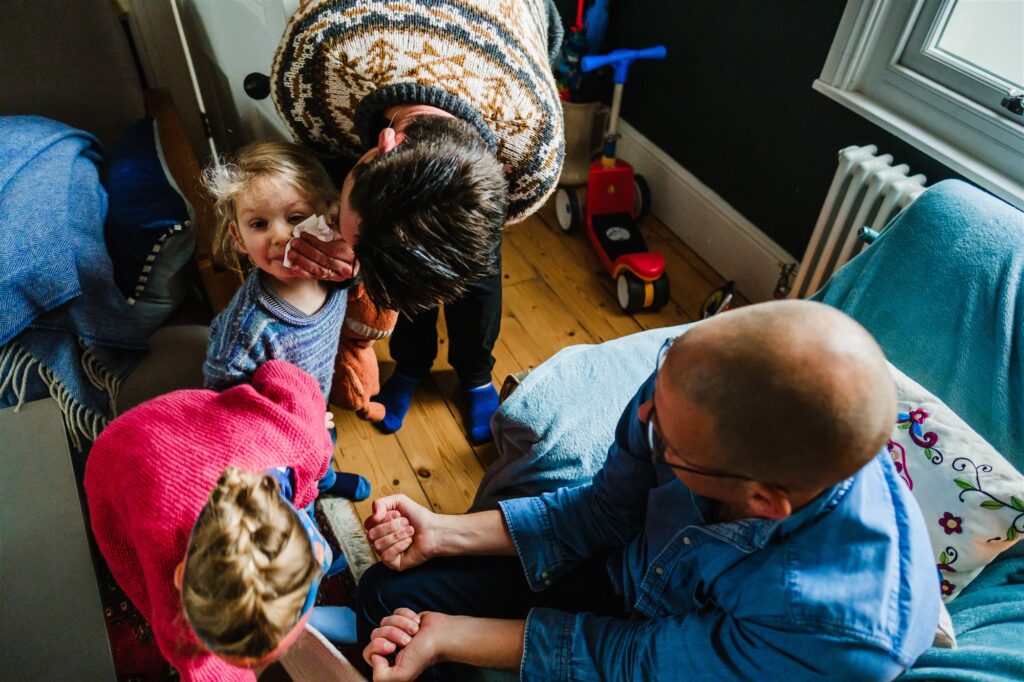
{"type": "Point", "coordinates": [316, 226]}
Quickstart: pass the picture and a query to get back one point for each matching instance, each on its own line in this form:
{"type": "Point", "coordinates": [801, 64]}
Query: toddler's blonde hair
{"type": "Point", "coordinates": [256, 162]}
{"type": "Point", "coordinates": [249, 567]}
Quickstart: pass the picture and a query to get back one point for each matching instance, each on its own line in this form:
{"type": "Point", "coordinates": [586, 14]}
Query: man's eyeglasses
{"type": "Point", "coordinates": [657, 444]}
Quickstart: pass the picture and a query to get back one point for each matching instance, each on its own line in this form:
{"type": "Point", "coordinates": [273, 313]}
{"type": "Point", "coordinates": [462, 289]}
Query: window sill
{"type": "Point", "coordinates": [1003, 186]}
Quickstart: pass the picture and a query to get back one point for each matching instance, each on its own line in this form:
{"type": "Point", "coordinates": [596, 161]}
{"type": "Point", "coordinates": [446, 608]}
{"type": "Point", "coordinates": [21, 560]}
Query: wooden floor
{"type": "Point", "coordinates": [555, 295]}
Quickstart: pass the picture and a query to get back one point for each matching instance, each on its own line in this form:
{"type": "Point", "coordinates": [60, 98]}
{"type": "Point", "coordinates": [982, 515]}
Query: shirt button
{"type": "Point", "coordinates": [686, 540]}
{"type": "Point", "coordinates": [544, 574]}
{"type": "Point", "coordinates": [659, 570]}
{"type": "Point", "coordinates": [547, 583]}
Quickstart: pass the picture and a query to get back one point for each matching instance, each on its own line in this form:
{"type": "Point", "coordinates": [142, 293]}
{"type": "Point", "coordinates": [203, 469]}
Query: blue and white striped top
{"type": "Point", "coordinates": [258, 326]}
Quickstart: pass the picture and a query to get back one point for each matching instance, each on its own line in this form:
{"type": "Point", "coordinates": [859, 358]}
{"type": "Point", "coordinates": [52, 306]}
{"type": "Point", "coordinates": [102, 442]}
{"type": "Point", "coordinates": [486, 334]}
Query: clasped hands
{"type": "Point", "coordinates": [404, 534]}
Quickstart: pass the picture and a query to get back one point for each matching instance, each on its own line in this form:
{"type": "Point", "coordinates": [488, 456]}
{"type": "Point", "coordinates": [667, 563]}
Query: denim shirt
{"type": "Point", "coordinates": [845, 588]}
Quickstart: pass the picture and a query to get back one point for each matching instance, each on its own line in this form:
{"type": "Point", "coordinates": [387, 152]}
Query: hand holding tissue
{"type": "Point", "coordinates": [316, 225]}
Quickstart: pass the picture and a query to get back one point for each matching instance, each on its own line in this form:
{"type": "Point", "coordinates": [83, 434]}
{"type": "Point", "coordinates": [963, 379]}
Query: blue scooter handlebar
{"type": "Point", "coordinates": [621, 59]}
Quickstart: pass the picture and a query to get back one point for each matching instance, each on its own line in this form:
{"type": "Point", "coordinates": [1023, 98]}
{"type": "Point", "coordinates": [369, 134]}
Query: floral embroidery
{"type": "Point", "coordinates": [945, 565]}
{"type": "Point", "coordinates": [1016, 527]}
{"type": "Point", "coordinates": [947, 559]}
{"type": "Point", "coordinates": [951, 524]}
{"type": "Point", "coordinates": [911, 422]}
{"type": "Point", "coordinates": [899, 458]}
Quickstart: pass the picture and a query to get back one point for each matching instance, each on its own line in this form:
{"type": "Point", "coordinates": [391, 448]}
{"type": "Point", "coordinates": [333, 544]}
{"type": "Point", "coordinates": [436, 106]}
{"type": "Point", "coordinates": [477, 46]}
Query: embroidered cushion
{"type": "Point", "coordinates": [971, 496]}
{"type": "Point", "coordinates": [148, 232]}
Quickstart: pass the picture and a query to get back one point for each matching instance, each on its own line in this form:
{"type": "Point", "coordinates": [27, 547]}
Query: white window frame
{"type": "Point", "coordinates": [864, 73]}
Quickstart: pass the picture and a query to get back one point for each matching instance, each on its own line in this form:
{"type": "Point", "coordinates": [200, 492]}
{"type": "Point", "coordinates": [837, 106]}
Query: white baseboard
{"type": "Point", "coordinates": [719, 233]}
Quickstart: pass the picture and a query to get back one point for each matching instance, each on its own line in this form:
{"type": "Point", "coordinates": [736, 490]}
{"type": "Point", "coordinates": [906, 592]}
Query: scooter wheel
{"type": "Point", "coordinates": [661, 292]}
{"type": "Point", "coordinates": [641, 197]}
{"type": "Point", "coordinates": [630, 292]}
{"type": "Point", "coordinates": [568, 209]}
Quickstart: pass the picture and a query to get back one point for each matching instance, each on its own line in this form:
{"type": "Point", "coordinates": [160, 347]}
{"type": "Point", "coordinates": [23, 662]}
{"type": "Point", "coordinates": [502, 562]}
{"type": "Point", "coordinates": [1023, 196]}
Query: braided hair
{"type": "Point", "coordinates": [249, 567]}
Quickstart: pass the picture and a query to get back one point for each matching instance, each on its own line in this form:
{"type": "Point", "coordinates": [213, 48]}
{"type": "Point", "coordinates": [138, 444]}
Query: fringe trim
{"type": "Point", "coordinates": [15, 366]}
{"type": "Point", "coordinates": [80, 423]}
{"type": "Point", "coordinates": [348, 530]}
{"type": "Point", "coordinates": [101, 378]}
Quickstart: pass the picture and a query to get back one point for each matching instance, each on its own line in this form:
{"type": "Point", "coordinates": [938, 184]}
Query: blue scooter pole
{"type": "Point", "coordinates": [620, 61]}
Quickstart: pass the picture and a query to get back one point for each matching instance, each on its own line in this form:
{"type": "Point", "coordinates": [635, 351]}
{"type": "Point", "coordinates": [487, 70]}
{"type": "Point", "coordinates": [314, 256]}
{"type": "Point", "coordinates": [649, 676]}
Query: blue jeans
{"type": "Point", "coordinates": [485, 587]}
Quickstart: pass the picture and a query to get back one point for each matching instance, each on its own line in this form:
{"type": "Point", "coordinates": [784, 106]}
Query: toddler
{"type": "Point", "coordinates": [260, 197]}
{"type": "Point", "coordinates": [197, 502]}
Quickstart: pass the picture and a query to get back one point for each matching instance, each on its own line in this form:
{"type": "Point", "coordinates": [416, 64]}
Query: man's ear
{"type": "Point", "coordinates": [179, 575]}
{"type": "Point", "coordinates": [769, 501]}
{"type": "Point", "coordinates": [237, 237]}
{"type": "Point", "coordinates": [388, 140]}
{"type": "Point", "coordinates": [644, 409]}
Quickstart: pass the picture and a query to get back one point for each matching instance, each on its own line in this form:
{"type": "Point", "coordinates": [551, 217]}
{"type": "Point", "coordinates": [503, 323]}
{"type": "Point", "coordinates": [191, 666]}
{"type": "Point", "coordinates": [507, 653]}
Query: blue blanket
{"type": "Point", "coordinates": [66, 330]}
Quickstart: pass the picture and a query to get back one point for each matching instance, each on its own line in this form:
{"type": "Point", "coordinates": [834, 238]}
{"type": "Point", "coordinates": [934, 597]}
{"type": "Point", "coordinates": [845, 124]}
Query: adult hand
{"type": "Point", "coordinates": [313, 258]}
{"type": "Point", "coordinates": [414, 636]}
{"type": "Point", "coordinates": [402, 532]}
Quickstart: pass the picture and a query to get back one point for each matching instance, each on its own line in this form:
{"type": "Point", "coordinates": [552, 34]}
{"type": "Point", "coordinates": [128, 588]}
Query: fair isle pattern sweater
{"type": "Point", "coordinates": [257, 326]}
{"type": "Point", "coordinates": [342, 63]}
{"type": "Point", "coordinates": [149, 474]}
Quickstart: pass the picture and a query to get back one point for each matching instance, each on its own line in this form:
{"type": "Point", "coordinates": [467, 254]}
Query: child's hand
{"type": "Point", "coordinates": [329, 420]}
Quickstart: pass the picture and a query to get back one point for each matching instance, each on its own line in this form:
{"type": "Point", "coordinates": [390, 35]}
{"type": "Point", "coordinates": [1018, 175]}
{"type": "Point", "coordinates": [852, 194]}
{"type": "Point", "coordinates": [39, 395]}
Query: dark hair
{"type": "Point", "coordinates": [431, 213]}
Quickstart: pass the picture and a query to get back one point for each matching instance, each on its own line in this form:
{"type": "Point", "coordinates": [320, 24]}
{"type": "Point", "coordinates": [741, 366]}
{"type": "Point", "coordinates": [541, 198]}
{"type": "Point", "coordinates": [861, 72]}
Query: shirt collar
{"type": "Point", "coordinates": [750, 535]}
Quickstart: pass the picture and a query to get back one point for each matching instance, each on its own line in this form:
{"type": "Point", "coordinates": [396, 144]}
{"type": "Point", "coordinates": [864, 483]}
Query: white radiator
{"type": "Point", "coordinates": [866, 191]}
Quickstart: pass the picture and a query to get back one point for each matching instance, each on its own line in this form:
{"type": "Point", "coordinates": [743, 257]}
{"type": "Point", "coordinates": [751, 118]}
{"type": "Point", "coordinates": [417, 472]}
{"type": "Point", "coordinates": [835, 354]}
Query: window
{"type": "Point", "coordinates": [945, 75]}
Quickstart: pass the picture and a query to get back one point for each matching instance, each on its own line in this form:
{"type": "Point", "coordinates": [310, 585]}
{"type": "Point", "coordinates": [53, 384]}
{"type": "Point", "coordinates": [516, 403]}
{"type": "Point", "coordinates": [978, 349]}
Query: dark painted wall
{"type": "Point", "coordinates": [733, 102]}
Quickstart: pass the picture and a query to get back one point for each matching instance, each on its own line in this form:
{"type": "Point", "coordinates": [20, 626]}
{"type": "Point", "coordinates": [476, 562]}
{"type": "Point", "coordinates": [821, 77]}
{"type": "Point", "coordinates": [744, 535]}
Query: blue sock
{"type": "Point", "coordinates": [396, 395]}
{"type": "Point", "coordinates": [482, 403]}
{"type": "Point", "coordinates": [336, 623]}
{"type": "Point", "coordinates": [339, 484]}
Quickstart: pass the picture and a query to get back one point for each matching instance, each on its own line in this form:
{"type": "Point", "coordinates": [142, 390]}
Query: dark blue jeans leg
{"type": "Point", "coordinates": [485, 587]}
{"type": "Point", "coordinates": [473, 324]}
{"type": "Point", "coordinates": [414, 343]}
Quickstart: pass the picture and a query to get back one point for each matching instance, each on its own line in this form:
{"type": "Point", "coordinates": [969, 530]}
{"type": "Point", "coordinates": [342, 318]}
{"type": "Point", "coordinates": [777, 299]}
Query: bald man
{"type": "Point", "coordinates": [747, 524]}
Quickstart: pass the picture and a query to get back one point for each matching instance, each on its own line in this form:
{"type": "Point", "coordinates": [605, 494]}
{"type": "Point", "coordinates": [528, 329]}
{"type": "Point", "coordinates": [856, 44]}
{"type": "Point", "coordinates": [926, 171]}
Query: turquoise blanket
{"type": "Point", "coordinates": [941, 291]}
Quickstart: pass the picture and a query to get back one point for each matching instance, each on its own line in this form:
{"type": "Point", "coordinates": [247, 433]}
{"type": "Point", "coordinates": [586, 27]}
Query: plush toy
{"type": "Point", "coordinates": [356, 375]}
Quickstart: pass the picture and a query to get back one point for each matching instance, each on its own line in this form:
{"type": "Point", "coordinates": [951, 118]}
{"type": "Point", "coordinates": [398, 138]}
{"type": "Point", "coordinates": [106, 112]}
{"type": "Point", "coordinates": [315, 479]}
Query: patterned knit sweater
{"type": "Point", "coordinates": [258, 326]}
{"type": "Point", "coordinates": [342, 63]}
{"type": "Point", "coordinates": [149, 473]}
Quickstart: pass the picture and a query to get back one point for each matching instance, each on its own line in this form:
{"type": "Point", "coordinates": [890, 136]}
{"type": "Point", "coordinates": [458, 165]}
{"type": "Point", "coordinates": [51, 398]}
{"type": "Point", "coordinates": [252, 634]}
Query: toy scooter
{"type": "Point", "coordinates": [616, 199]}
